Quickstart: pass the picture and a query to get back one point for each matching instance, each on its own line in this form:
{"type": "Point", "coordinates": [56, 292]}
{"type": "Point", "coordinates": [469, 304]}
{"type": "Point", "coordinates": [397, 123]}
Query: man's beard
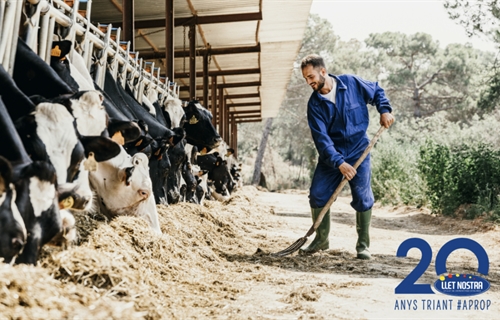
{"type": "Point", "coordinates": [321, 83]}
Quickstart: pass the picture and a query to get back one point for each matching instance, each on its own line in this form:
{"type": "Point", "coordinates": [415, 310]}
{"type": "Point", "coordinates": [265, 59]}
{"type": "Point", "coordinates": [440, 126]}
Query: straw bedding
{"type": "Point", "coordinates": [119, 269]}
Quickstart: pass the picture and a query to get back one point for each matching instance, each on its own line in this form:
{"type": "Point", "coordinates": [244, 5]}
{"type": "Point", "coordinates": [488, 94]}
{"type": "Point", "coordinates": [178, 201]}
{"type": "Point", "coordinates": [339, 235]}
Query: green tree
{"type": "Point", "coordinates": [481, 18]}
{"type": "Point", "coordinates": [420, 77]}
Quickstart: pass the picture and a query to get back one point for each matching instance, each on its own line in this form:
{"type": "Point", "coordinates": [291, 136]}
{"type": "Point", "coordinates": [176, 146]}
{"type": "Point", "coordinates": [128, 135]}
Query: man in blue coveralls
{"type": "Point", "coordinates": [338, 119]}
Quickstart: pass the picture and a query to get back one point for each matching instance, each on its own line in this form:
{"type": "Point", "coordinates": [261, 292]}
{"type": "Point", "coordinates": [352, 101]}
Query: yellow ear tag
{"type": "Point", "coordinates": [55, 52]}
{"type": "Point", "coordinates": [67, 203]}
{"type": "Point", "coordinates": [118, 138]}
{"type": "Point", "coordinates": [193, 120]}
{"type": "Point", "coordinates": [90, 164]}
{"type": "Point", "coordinates": [138, 143]}
{"type": "Point", "coordinates": [203, 151]}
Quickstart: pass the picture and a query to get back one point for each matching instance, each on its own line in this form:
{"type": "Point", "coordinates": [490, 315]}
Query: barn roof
{"type": "Point", "coordinates": [252, 45]}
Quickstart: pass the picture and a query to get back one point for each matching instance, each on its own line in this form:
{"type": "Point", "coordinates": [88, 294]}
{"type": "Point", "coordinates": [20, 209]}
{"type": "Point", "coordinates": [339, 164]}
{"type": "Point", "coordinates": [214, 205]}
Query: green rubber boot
{"type": "Point", "coordinates": [363, 220]}
{"type": "Point", "coordinates": [320, 241]}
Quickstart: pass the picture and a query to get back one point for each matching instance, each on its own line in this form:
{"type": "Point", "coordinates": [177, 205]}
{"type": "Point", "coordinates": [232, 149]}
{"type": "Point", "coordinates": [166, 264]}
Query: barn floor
{"type": "Point", "coordinates": [207, 265]}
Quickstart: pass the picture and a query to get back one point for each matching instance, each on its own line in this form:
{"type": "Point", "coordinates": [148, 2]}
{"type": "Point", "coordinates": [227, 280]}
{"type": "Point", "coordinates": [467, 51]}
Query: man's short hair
{"type": "Point", "coordinates": [314, 60]}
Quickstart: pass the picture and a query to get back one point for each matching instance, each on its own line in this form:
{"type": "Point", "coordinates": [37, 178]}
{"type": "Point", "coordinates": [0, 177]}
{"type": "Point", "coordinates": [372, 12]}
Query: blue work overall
{"type": "Point", "coordinates": [339, 133]}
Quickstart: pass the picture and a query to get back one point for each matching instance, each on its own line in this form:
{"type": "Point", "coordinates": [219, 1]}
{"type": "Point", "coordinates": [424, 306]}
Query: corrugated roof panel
{"type": "Point", "coordinates": [235, 33]}
{"type": "Point", "coordinates": [217, 7]}
{"type": "Point", "coordinates": [280, 36]}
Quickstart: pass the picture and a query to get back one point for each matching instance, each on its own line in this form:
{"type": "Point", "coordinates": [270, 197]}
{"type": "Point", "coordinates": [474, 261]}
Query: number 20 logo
{"type": "Point", "coordinates": [408, 285]}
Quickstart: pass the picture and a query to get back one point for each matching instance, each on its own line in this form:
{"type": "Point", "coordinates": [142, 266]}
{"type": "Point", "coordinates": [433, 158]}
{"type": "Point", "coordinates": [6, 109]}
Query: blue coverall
{"type": "Point", "coordinates": [339, 133]}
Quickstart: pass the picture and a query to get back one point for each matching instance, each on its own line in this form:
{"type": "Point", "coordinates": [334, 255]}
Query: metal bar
{"type": "Point", "coordinates": [48, 48]}
{"type": "Point", "coordinates": [42, 43]}
{"type": "Point", "coordinates": [11, 52]}
{"type": "Point", "coordinates": [96, 38]}
{"type": "Point", "coordinates": [72, 33]}
{"type": "Point", "coordinates": [5, 42]}
{"type": "Point", "coordinates": [199, 53]}
{"type": "Point", "coordinates": [128, 22]}
{"type": "Point", "coordinates": [212, 73]}
{"type": "Point", "coordinates": [159, 23]}
{"type": "Point", "coordinates": [32, 30]}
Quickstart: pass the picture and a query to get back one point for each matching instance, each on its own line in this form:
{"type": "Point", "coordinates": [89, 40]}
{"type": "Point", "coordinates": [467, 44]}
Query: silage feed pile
{"type": "Point", "coordinates": [121, 270]}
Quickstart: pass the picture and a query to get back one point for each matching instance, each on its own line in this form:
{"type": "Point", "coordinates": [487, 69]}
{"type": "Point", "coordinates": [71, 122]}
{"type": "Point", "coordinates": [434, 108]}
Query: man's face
{"type": "Point", "coordinates": [315, 77]}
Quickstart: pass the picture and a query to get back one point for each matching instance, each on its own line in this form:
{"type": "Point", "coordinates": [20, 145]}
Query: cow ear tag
{"type": "Point", "coordinates": [203, 151]}
{"type": "Point", "coordinates": [67, 203]}
{"type": "Point", "coordinates": [55, 52]}
{"type": "Point", "coordinates": [193, 120]}
{"type": "Point", "coordinates": [90, 164]}
{"type": "Point", "coordinates": [118, 138]}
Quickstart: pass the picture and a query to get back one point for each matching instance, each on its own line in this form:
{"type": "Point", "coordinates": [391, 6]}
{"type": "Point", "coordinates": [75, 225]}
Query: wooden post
{"type": "Point", "coordinates": [128, 22]}
{"type": "Point", "coordinates": [205, 80]}
{"type": "Point", "coordinates": [213, 105]}
{"type": "Point", "coordinates": [192, 61]}
{"type": "Point", "coordinates": [220, 112]}
{"type": "Point", "coordinates": [169, 39]}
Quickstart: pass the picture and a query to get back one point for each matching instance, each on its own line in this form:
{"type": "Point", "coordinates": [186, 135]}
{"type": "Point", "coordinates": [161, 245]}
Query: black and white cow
{"type": "Point", "coordinates": [12, 229]}
{"type": "Point", "coordinates": [35, 184]}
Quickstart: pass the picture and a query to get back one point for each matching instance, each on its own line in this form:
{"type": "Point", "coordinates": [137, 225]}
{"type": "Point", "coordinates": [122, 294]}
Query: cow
{"type": "Point", "coordinates": [12, 229]}
{"type": "Point", "coordinates": [125, 188]}
{"type": "Point", "coordinates": [35, 77]}
{"type": "Point", "coordinates": [221, 179]}
{"type": "Point", "coordinates": [35, 184]}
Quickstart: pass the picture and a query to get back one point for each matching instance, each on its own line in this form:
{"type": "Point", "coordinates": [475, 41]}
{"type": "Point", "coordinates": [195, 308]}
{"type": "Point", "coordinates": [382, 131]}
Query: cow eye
{"type": "Point", "coordinates": [137, 162]}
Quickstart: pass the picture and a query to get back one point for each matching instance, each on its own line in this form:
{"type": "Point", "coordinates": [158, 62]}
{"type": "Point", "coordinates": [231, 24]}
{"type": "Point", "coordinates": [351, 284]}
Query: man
{"type": "Point", "coordinates": [338, 119]}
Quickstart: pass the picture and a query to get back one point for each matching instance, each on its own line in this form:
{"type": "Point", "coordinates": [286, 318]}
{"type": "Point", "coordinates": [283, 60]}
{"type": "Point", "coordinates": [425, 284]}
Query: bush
{"type": "Point", "coordinates": [395, 175]}
{"type": "Point", "coordinates": [468, 174]}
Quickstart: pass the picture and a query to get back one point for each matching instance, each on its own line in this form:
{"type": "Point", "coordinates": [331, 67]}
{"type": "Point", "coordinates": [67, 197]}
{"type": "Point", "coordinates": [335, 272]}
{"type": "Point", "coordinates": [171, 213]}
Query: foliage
{"type": "Point", "coordinates": [423, 78]}
{"type": "Point", "coordinates": [479, 17]}
{"type": "Point", "coordinates": [461, 175]}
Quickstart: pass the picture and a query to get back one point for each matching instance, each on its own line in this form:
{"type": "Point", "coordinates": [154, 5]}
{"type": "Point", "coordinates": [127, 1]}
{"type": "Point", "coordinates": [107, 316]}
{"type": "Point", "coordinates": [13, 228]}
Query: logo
{"type": "Point", "coordinates": [461, 284]}
{"type": "Point", "coordinates": [449, 283]}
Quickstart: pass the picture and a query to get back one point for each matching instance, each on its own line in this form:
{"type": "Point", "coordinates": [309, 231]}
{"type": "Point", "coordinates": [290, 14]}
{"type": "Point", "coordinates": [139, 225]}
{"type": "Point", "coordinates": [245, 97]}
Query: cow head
{"type": "Point", "coordinates": [36, 186]}
{"type": "Point", "coordinates": [221, 179]}
{"type": "Point", "coordinates": [199, 129]}
{"type": "Point", "coordinates": [60, 64]}
{"type": "Point", "coordinates": [12, 229]}
{"type": "Point", "coordinates": [124, 187]}
{"type": "Point", "coordinates": [173, 112]}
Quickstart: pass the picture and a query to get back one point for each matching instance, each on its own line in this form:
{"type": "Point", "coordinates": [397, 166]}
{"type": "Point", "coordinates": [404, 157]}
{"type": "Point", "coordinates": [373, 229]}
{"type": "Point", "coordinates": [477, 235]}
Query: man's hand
{"type": "Point", "coordinates": [386, 119]}
{"type": "Point", "coordinates": [347, 170]}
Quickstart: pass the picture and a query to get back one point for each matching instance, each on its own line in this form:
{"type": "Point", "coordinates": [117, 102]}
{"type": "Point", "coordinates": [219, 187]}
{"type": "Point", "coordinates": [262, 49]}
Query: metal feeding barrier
{"type": "Point", "coordinates": [99, 45]}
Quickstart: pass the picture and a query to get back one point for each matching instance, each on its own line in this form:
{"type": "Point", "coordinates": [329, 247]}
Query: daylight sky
{"type": "Point", "coordinates": [358, 18]}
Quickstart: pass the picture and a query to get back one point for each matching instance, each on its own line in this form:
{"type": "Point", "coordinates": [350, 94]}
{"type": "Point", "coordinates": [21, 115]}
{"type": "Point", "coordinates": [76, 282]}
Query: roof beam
{"type": "Point", "coordinates": [240, 84]}
{"type": "Point", "coordinates": [227, 85]}
{"type": "Point", "coordinates": [160, 23]}
{"type": "Point", "coordinates": [246, 104]}
{"type": "Point", "coordinates": [215, 73]}
{"type": "Point", "coordinates": [248, 120]}
{"type": "Point", "coordinates": [213, 51]}
{"type": "Point", "coordinates": [236, 112]}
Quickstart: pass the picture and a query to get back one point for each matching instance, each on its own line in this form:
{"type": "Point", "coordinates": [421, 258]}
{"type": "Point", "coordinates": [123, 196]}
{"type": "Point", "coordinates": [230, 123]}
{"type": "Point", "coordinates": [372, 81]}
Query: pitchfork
{"type": "Point", "coordinates": [299, 243]}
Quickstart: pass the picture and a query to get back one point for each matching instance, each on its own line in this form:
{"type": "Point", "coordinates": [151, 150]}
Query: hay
{"type": "Point", "coordinates": [121, 270]}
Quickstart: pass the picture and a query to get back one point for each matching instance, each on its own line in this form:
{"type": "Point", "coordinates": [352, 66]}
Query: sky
{"type": "Point", "coordinates": [358, 18]}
